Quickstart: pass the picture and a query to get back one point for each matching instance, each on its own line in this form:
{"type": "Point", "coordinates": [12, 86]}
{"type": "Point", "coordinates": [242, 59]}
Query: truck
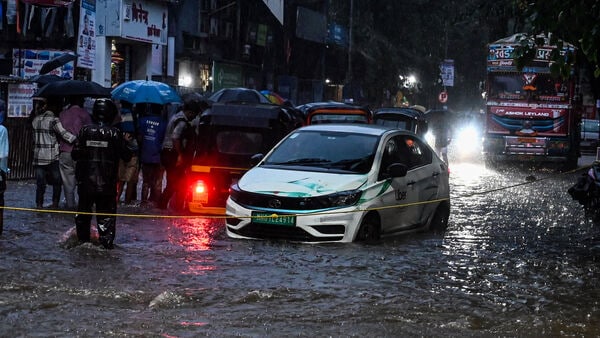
{"type": "Point", "coordinates": [531, 116]}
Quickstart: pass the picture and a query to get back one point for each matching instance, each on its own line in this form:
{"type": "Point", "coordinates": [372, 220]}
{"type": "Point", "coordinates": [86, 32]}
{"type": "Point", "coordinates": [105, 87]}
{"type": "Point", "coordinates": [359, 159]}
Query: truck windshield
{"type": "Point", "coordinates": [516, 86]}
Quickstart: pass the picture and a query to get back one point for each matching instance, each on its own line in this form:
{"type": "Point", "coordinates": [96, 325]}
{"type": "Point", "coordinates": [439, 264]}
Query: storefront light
{"type": "Point", "coordinates": [185, 80]}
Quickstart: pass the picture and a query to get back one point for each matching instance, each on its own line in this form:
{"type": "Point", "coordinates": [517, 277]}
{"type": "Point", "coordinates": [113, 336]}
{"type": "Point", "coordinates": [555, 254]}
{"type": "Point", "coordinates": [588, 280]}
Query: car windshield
{"type": "Point", "coordinates": [399, 124]}
{"type": "Point", "coordinates": [344, 152]}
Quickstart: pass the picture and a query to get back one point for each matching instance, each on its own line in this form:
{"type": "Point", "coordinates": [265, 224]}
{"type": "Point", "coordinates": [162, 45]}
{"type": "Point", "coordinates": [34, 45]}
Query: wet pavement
{"type": "Point", "coordinates": [518, 259]}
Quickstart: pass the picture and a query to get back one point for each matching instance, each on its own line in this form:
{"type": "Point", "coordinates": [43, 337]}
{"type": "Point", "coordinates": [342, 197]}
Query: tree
{"type": "Point", "coordinates": [392, 38]}
{"type": "Point", "coordinates": [573, 21]}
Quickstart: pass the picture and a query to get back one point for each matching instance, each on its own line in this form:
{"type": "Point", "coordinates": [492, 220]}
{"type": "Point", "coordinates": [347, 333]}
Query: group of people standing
{"type": "Point", "coordinates": [102, 153]}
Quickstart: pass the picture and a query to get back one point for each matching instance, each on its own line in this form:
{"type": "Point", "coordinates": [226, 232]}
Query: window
{"type": "Point", "coordinates": [239, 143]}
{"type": "Point", "coordinates": [407, 150]}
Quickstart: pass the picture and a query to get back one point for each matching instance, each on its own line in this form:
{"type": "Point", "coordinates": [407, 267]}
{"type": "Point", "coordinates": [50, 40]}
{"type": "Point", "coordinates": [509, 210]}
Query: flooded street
{"type": "Point", "coordinates": [518, 259]}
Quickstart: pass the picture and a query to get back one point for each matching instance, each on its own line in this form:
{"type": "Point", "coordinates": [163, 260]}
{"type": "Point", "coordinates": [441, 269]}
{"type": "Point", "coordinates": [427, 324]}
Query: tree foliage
{"type": "Point", "coordinates": [391, 38]}
{"type": "Point", "coordinates": [577, 22]}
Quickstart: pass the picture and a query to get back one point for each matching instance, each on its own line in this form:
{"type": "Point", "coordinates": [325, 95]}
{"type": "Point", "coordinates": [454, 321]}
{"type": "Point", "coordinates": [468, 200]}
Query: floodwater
{"type": "Point", "coordinates": [518, 259]}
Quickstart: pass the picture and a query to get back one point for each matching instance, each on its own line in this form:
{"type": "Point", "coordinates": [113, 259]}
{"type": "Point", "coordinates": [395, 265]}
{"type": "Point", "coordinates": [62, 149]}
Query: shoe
{"type": "Point", "coordinates": [106, 242]}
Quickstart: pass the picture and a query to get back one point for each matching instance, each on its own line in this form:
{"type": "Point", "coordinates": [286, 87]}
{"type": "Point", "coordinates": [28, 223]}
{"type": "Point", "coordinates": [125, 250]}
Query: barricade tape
{"type": "Point", "coordinates": [53, 211]}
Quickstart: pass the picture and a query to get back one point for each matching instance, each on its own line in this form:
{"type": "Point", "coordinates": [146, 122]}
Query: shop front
{"type": "Point", "coordinates": [131, 42]}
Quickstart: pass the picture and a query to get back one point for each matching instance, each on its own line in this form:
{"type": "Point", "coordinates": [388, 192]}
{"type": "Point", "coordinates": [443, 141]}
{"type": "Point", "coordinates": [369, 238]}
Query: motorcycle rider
{"type": "Point", "coordinates": [98, 150]}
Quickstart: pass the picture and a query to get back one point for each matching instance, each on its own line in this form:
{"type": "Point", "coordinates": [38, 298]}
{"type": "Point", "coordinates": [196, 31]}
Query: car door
{"type": "Point", "coordinates": [423, 178]}
{"type": "Point", "coordinates": [398, 209]}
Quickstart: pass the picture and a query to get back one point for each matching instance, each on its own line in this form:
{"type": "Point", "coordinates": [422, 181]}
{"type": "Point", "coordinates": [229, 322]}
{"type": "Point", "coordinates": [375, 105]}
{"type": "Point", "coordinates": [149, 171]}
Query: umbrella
{"type": "Point", "coordinates": [273, 97]}
{"type": "Point", "coordinates": [73, 87]}
{"type": "Point", "coordinates": [145, 91]}
{"type": "Point", "coordinates": [58, 61]}
{"type": "Point", "coordinates": [193, 96]}
{"type": "Point", "coordinates": [46, 78]}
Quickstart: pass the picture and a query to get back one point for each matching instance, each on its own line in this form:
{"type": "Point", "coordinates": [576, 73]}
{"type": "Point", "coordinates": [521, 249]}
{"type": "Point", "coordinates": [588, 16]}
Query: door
{"type": "Point", "coordinates": [399, 210]}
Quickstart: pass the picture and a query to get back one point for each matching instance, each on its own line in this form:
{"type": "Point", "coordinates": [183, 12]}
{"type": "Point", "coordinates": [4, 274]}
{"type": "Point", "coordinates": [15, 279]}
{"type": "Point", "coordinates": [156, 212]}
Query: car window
{"type": "Point", "coordinates": [407, 150]}
{"type": "Point", "coordinates": [338, 118]}
{"type": "Point", "coordinates": [239, 143]}
{"type": "Point", "coordinates": [420, 154]}
{"type": "Point", "coordinates": [393, 123]}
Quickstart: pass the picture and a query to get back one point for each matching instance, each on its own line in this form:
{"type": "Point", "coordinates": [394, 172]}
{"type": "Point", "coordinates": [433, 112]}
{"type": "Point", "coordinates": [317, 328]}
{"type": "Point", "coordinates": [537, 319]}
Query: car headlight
{"type": "Point", "coordinates": [339, 199]}
{"type": "Point", "coordinates": [430, 138]}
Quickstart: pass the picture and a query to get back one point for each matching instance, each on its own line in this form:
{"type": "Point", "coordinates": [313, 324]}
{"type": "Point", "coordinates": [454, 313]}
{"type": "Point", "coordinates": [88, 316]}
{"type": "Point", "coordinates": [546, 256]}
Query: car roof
{"type": "Point", "coordinates": [391, 111]}
{"type": "Point", "coordinates": [368, 129]}
{"type": "Point", "coordinates": [329, 104]}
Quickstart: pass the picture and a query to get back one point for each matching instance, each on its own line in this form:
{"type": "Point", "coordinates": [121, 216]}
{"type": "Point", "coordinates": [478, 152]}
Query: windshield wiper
{"type": "Point", "coordinates": [302, 161]}
{"type": "Point", "coordinates": [351, 164]}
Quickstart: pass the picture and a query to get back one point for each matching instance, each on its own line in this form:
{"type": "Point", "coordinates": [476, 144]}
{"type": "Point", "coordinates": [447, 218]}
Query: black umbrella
{"type": "Point", "coordinates": [193, 96]}
{"type": "Point", "coordinates": [58, 61]}
{"type": "Point", "coordinates": [73, 87]}
{"type": "Point", "coordinates": [46, 78]}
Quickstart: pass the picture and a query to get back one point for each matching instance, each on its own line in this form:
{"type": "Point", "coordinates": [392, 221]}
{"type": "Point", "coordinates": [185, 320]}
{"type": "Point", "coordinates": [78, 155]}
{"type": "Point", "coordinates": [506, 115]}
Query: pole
{"type": "Point", "coordinates": [350, 24]}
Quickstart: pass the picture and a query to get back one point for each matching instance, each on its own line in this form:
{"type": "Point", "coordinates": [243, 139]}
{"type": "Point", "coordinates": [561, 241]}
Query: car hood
{"type": "Point", "coordinates": [296, 183]}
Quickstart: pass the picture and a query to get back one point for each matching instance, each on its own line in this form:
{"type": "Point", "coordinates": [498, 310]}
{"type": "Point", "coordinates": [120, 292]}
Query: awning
{"type": "Point", "coordinates": [49, 3]}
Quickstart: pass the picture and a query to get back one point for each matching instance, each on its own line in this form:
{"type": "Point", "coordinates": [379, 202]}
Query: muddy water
{"type": "Point", "coordinates": [515, 261]}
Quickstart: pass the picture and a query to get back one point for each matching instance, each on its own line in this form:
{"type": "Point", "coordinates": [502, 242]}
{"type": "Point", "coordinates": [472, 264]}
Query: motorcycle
{"type": "Point", "coordinates": [587, 192]}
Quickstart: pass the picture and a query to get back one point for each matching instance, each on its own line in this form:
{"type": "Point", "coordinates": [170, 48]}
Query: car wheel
{"type": "Point", "coordinates": [369, 229]}
{"type": "Point", "coordinates": [439, 222]}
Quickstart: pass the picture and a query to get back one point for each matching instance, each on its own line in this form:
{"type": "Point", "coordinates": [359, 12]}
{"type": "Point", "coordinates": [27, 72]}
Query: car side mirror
{"type": "Point", "coordinates": [255, 159]}
{"type": "Point", "coordinates": [397, 170]}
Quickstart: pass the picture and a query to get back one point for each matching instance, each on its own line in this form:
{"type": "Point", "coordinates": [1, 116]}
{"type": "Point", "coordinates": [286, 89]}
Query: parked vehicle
{"type": "Point", "coordinates": [334, 112]}
{"type": "Point", "coordinates": [590, 134]}
{"type": "Point", "coordinates": [229, 134]}
{"type": "Point", "coordinates": [531, 116]}
{"type": "Point", "coordinates": [401, 118]}
{"type": "Point", "coordinates": [341, 183]}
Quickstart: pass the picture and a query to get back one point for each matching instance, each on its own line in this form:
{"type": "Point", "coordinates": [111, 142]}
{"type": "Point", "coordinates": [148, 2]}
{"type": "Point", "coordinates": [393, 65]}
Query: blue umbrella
{"type": "Point", "coordinates": [145, 91]}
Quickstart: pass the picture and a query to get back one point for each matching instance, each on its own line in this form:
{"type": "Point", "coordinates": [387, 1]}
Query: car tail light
{"type": "Point", "coordinates": [200, 191]}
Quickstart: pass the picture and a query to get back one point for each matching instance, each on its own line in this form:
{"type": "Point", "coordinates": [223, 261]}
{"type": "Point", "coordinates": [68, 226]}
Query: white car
{"type": "Point", "coordinates": [341, 183]}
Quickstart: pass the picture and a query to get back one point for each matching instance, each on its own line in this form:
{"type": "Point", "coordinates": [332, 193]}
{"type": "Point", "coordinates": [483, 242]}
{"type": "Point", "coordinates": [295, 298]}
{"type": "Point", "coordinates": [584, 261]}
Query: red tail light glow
{"type": "Point", "coordinates": [200, 187]}
{"type": "Point", "coordinates": [200, 191]}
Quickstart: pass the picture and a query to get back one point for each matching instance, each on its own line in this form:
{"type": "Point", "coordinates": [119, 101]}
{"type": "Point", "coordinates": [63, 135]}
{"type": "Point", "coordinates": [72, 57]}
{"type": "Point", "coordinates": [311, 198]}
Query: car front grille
{"type": "Point", "coordinates": [249, 199]}
{"type": "Point", "coordinates": [268, 231]}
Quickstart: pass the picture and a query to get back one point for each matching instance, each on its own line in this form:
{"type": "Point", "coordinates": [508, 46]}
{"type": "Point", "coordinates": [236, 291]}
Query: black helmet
{"type": "Point", "coordinates": [104, 111]}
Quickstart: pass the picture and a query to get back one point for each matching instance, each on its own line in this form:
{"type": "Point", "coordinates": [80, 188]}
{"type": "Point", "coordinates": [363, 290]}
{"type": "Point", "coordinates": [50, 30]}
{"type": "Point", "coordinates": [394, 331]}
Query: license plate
{"type": "Point", "coordinates": [270, 218]}
{"type": "Point", "coordinates": [526, 140]}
